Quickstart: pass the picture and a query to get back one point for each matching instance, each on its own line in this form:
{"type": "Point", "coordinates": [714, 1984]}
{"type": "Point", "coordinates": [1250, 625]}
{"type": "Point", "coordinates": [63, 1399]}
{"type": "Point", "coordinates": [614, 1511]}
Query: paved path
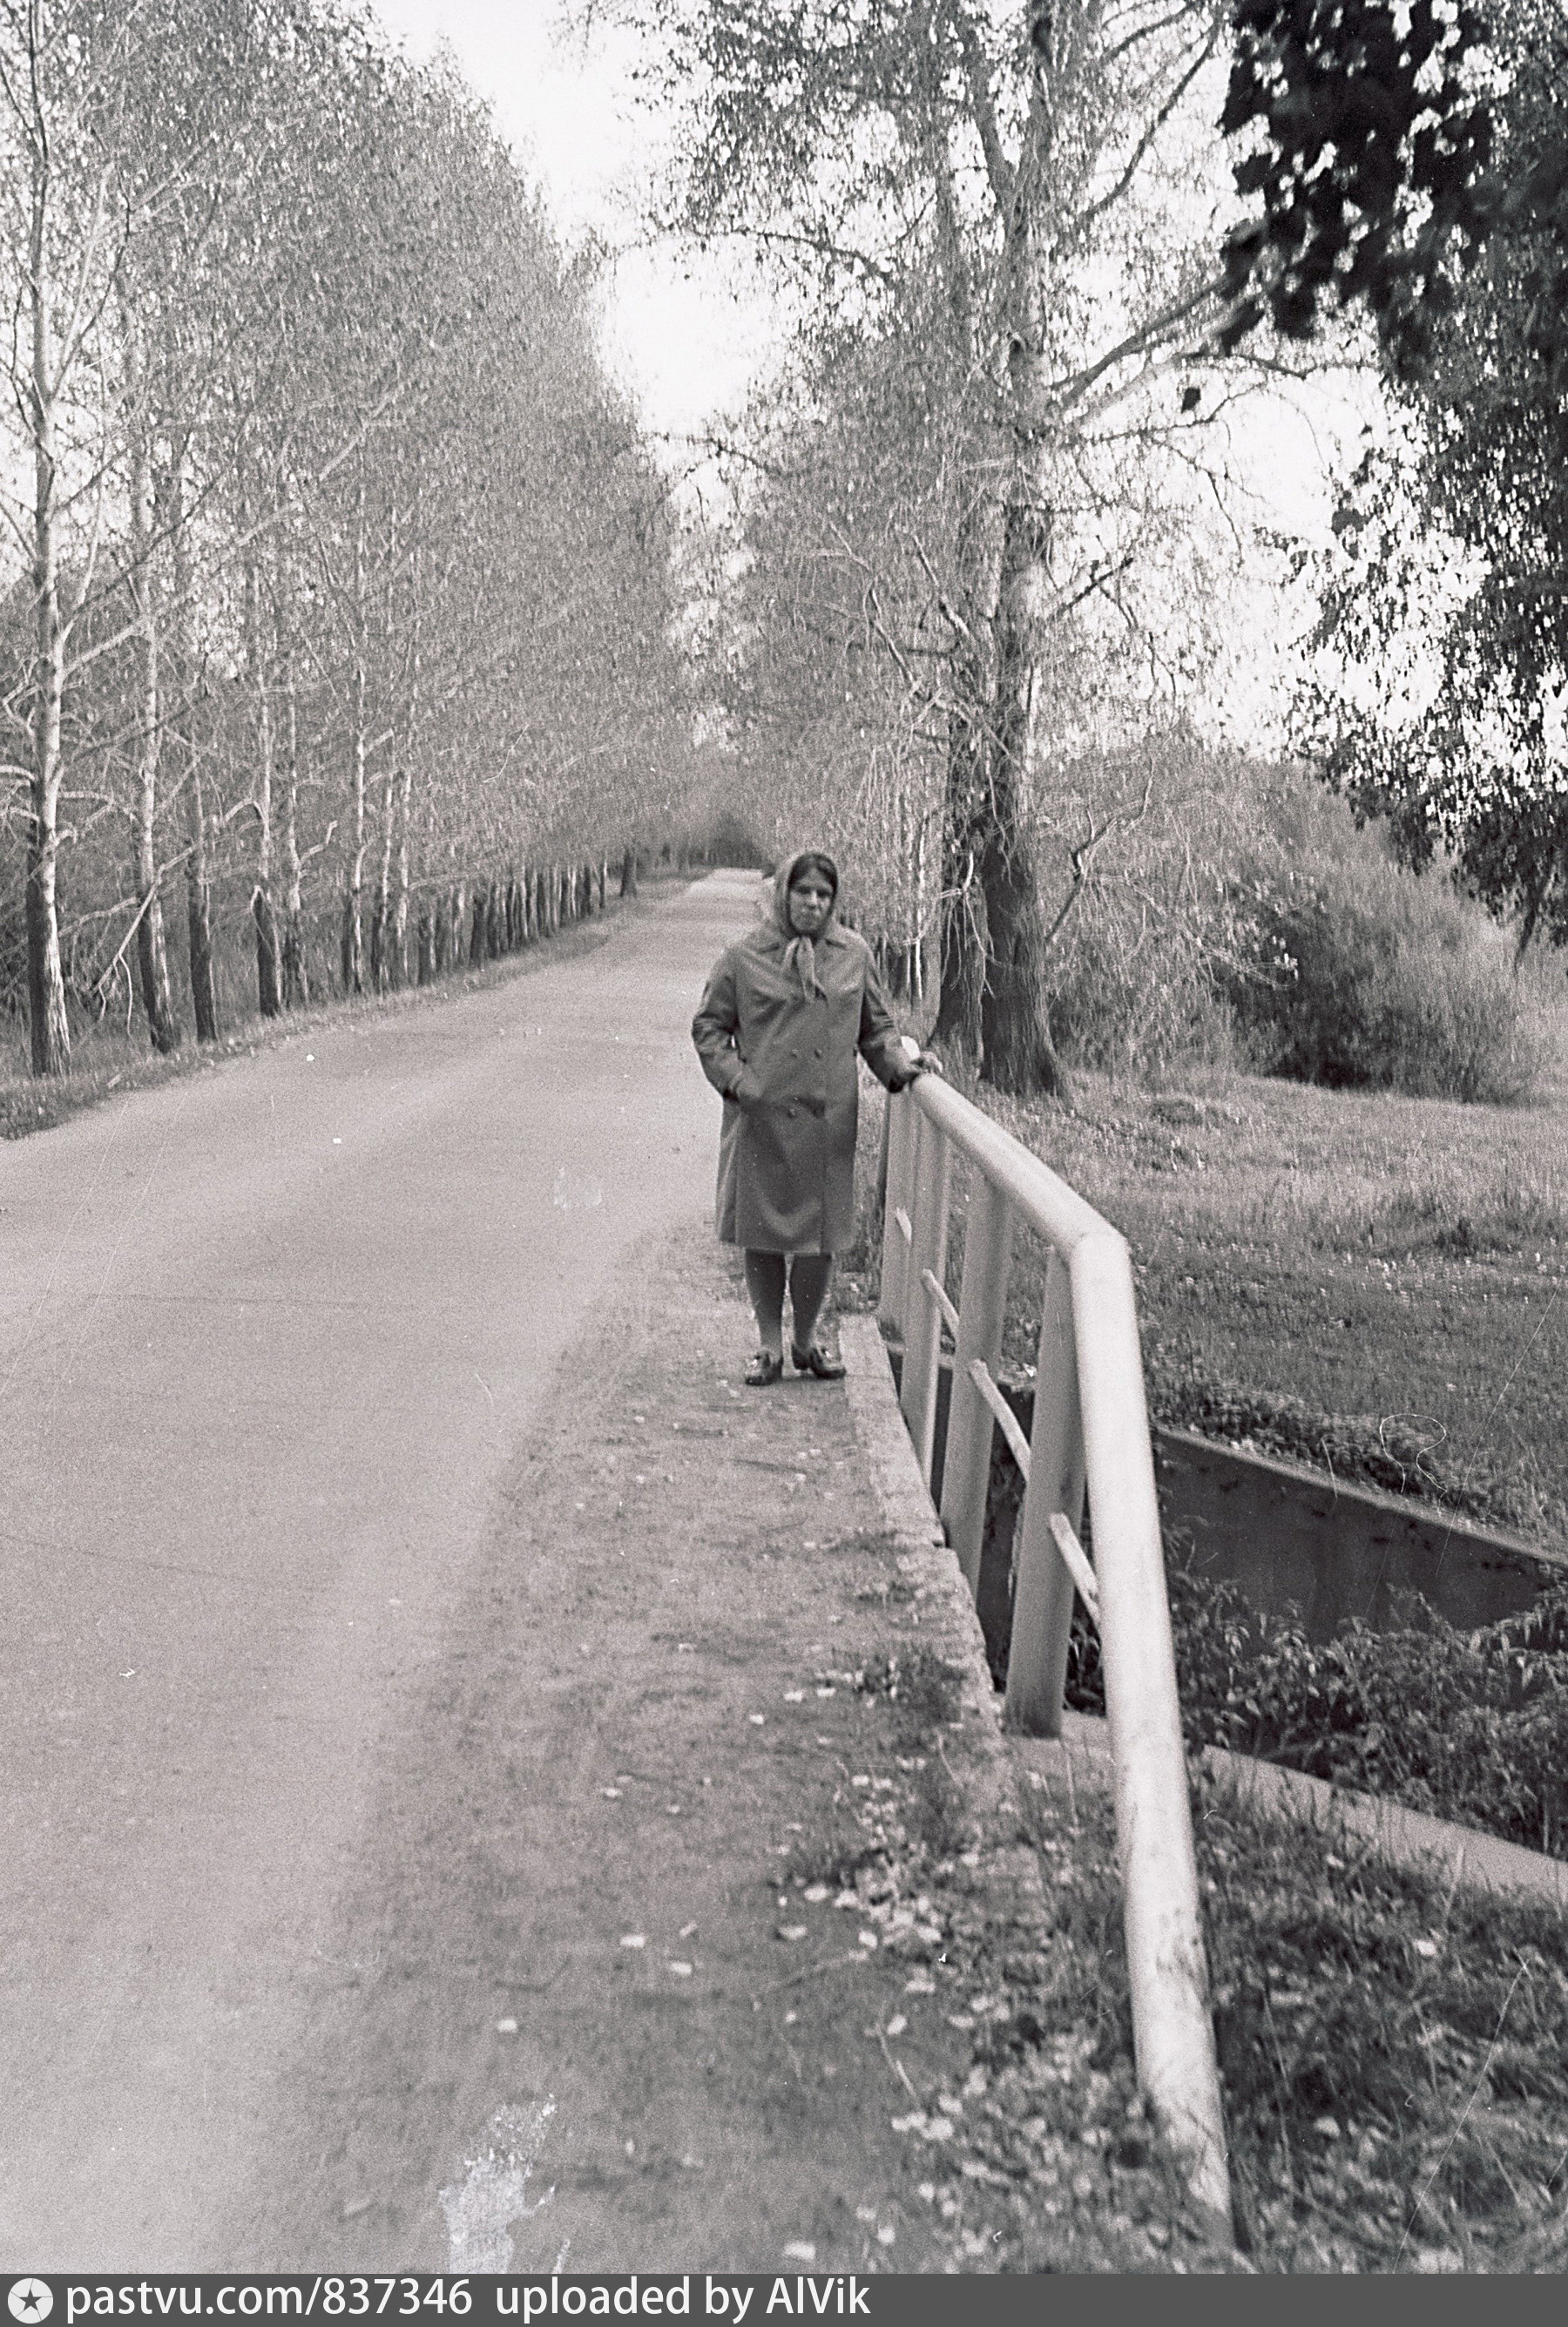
{"type": "Point", "coordinates": [269, 1340]}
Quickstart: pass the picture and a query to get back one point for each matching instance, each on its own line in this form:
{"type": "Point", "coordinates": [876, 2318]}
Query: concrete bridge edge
{"type": "Point", "coordinates": [948, 1622]}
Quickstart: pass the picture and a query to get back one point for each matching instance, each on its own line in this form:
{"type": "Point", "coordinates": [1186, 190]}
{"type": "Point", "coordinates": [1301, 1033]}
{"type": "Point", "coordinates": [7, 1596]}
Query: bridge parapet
{"type": "Point", "coordinates": [1090, 1435]}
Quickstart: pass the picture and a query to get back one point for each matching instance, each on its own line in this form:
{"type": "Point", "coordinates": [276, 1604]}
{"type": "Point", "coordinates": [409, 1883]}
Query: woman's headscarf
{"type": "Point", "coordinates": [800, 952]}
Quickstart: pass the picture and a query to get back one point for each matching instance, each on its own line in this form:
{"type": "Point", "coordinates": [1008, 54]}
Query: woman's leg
{"type": "Point", "coordinates": [765, 1284]}
{"type": "Point", "coordinates": [808, 1275]}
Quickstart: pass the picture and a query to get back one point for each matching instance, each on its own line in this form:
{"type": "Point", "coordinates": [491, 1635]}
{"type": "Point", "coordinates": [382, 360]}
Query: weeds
{"type": "Point", "coordinates": [922, 1684]}
{"type": "Point", "coordinates": [1518, 1213]}
{"type": "Point", "coordinates": [1392, 2051]}
{"type": "Point", "coordinates": [1396, 1453]}
{"type": "Point", "coordinates": [1470, 1726]}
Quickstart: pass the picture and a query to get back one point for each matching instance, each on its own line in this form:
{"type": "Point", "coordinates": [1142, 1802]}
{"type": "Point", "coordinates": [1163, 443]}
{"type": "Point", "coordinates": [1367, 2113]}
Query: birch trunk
{"type": "Point", "coordinates": [296, 985]}
{"type": "Point", "coordinates": [381, 913]}
{"type": "Point", "coordinates": [352, 948]}
{"type": "Point", "coordinates": [963, 934]}
{"type": "Point", "coordinates": [1017, 1051]}
{"type": "Point", "coordinates": [263, 907]}
{"type": "Point", "coordinates": [182, 727]}
{"type": "Point", "coordinates": [151, 948]}
{"type": "Point", "coordinates": [48, 1027]}
{"type": "Point", "coordinates": [405, 806]}
{"type": "Point", "coordinates": [398, 951]}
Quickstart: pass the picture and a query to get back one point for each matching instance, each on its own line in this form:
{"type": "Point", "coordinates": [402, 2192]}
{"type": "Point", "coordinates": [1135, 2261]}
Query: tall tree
{"type": "Point", "coordinates": [1018, 161]}
{"type": "Point", "coordinates": [58, 88]}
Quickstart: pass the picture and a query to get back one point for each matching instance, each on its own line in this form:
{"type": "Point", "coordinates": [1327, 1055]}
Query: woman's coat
{"type": "Point", "coordinates": [785, 1063]}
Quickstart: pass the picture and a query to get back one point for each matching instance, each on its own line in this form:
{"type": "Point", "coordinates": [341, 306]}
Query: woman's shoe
{"type": "Point", "coordinates": [764, 1369]}
{"type": "Point", "coordinates": [816, 1360]}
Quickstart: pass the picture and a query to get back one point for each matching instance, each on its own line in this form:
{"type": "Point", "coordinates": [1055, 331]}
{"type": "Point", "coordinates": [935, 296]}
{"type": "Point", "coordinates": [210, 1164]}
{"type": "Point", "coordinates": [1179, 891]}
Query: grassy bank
{"type": "Point", "coordinates": [1391, 2050]}
{"type": "Point", "coordinates": [1371, 1283]}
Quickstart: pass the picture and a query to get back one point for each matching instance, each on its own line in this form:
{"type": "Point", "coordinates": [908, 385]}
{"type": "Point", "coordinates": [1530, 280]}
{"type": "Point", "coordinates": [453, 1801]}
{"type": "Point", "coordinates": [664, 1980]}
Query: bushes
{"type": "Point", "coordinates": [1147, 918]}
{"type": "Point", "coordinates": [1233, 912]}
{"type": "Point", "coordinates": [1472, 1726]}
{"type": "Point", "coordinates": [1359, 977]}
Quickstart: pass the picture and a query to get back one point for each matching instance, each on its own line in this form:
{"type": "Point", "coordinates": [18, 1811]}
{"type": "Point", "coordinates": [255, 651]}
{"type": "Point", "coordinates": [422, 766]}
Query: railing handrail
{"type": "Point", "coordinates": [1047, 1202]}
{"type": "Point", "coordinates": [1091, 1429]}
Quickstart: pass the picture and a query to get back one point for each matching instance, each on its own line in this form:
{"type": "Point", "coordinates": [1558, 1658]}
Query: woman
{"type": "Point", "coordinates": [782, 1018]}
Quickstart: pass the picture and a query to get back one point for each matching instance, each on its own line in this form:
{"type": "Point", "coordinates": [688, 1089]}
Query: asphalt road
{"type": "Point", "coordinates": [268, 1340]}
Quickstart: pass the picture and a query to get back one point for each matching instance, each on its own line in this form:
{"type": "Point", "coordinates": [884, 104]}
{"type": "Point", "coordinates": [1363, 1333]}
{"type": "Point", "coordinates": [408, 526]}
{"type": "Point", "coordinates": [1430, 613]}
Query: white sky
{"type": "Point", "coordinates": [674, 330]}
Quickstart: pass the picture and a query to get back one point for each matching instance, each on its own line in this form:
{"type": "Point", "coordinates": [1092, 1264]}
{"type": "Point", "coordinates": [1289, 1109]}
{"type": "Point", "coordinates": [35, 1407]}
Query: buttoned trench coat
{"type": "Point", "coordinates": [785, 1063]}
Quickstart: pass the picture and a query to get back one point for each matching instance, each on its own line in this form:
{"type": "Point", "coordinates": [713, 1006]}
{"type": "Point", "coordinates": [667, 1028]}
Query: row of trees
{"type": "Point", "coordinates": [1036, 250]}
{"type": "Point", "coordinates": [343, 570]}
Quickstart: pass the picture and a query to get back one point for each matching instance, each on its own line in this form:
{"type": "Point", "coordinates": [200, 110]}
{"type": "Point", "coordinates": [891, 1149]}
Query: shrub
{"type": "Point", "coordinates": [1224, 911]}
{"type": "Point", "coordinates": [1359, 977]}
{"type": "Point", "coordinates": [1472, 1726]}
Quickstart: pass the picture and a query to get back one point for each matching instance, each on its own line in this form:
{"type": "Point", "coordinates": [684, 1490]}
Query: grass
{"type": "Point", "coordinates": [1470, 1726]}
{"type": "Point", "coordinates": [1368, 1281]}
{"type": "Point", "coordinates": [1373, 1281]}
{"type": "Point", "coordinates": [1393, 2052]}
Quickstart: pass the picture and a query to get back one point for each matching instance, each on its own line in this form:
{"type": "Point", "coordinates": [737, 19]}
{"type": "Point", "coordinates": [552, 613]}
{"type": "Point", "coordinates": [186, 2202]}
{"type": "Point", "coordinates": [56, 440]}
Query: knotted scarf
{"type": "Point", "coordinates": [800, 955]}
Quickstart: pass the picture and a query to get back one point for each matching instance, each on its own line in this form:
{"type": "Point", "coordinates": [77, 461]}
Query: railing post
{"type": "Point", "coordinates": [1042, 1594]}
{"type": "Point", "coordinates": [1167, 1969]}
{"type": "Point", "coordinates": [922, 1319]}
{"type": "Point", "coordinates": [982, 1314]}
{"type": "Point", "coordinates": [893, 1300]}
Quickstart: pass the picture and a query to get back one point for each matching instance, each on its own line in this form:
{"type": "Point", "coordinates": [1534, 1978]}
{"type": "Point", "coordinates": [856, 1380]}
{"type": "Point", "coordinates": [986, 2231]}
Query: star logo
{"type": "Point", "coordinates": [30, 2301]}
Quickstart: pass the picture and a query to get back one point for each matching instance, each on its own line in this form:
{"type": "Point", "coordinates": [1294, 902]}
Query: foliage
{"type": "Point", "coordinates": [977, 532]}
{"type": "Point", "coordinates": [1367, 140]}
{"type": "Point", "coordinates": [1354, 977]}
{"type": "Point", "coordinates": [1219, 909]}
{"type": "Point", "coordinates": [1391, 2054]}
{"type": "Point", "coordinates": [1436, 695]}
{"type": "Point", "coordinates": [1473, 1727]}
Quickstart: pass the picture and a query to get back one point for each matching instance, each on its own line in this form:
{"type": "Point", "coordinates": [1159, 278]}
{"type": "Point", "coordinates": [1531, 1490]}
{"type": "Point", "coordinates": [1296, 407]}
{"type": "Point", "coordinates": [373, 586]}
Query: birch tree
{"type": "Point", "coordinates": [1040, 165]}
{"type": "Point", "coordinates": [346, 569]}
{"type": "Point", "coordinates": [57, 85]}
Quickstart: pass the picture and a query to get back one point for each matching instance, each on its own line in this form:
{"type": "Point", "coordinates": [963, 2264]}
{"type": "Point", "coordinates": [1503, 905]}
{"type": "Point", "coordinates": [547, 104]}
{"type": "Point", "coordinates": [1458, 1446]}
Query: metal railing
{"type": "Point", "coordinates": [1091, 1434]}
